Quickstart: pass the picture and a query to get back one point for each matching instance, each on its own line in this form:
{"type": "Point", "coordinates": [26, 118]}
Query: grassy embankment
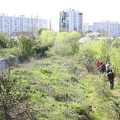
{"type": "Point", "coordinates": [62, 89]}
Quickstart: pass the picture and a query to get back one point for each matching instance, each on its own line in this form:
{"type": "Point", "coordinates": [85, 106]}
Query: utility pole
{"type": "Point", "coordinates": [50, 24]}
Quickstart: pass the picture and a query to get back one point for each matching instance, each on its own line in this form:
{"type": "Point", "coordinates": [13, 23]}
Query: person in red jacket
{"type": "Point", "coordinates": [98, 63]}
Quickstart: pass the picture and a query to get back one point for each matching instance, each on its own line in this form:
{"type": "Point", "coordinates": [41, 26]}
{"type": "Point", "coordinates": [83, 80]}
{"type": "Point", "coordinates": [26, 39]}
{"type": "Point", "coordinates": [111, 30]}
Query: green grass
{"type": "Point", "coordinates": [61, 89]}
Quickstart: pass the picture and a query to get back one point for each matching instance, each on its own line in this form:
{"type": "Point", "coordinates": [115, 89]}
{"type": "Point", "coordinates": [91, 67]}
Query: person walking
{"type": "Point", "coordinates": [102, 68]}
{"type": "Point", "coordinates": [98, 63]}
{"type": "Point", "coordinates": [107, 66]}
{"type": "Point", "coordinates": [111, 77]}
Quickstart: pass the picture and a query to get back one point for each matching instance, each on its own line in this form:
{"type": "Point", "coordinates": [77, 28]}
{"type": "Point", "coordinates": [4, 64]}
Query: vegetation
{"type": "Point", "coordinates": [63, 85]}
{"type": "Point", "coordinates": [13, 96]}
{"type": "Point", "coordinates": [25, 46]}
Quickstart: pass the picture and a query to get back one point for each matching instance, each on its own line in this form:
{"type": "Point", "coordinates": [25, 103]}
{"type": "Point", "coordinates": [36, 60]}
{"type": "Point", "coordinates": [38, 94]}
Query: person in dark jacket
{"type": "Point", "coordinates": [111, 77]}
{"type": "Point", "coordinates": [101, 68]}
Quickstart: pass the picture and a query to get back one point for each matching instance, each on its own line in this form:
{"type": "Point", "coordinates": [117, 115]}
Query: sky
{"type": "Point", "coordinates": [93, 10]}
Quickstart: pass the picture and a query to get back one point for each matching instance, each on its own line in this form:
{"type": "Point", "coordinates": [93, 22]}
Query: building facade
{"type": "Point", "coordinates": [109, 28]}
{"type": "Point", "coordinates": [87, 27]}
{"type": "Point", "coordinates": [71, 20]}
{"type": "Point", "coordinates": [10, 24]}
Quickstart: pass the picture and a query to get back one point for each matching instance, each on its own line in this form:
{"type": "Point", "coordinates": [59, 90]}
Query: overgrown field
{"type": "Point", "coordinates": [59, 88]}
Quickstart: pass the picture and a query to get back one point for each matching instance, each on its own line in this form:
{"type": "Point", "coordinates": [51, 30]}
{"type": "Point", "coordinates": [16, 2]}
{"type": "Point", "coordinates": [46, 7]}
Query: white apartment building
{"type": "Point", "coordinates": [109, 28]}
{"type": "Point", "coordinates": [87, 27]}
{"type": "Point", "coordinates": [10, 24]}
{"type": "Point", "coordinates": [71, 20]}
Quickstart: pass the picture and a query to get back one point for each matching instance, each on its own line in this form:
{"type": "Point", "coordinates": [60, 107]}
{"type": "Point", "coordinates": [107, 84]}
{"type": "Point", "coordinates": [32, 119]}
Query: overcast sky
{"type": "Point", "coordinates": [93, 10]}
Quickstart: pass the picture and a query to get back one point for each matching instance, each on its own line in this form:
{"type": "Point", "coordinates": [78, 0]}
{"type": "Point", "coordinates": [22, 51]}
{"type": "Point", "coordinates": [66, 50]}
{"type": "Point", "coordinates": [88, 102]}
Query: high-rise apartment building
{"type": "Point", "coordinates": [109, 28]}
{"type": "Point", "coordinates": [10, 24]}
{"type": "Point", "coordinates": [71, 20]}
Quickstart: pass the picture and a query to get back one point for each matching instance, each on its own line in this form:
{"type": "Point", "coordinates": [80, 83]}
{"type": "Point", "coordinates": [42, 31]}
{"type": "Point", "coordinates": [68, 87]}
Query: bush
{"type": "Point", "coordinates": [86, 56]}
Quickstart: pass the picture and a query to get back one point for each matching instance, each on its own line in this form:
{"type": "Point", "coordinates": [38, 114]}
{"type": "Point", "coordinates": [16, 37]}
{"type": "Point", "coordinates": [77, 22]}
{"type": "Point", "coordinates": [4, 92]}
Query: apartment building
{"type": "Point", "coordinates": [109, 28]}
{"type": "Point", "coordinates": [70, 20]}
{"type": "Point", "coordinates": [10, 24]}
{"type": "Point", "coordinates": [87, 27]}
